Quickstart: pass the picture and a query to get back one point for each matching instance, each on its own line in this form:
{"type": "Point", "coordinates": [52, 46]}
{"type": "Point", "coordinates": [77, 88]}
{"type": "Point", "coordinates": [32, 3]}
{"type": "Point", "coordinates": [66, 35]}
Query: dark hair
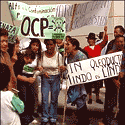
{"type": "Point", "coordinates": [29, 53]}
{"type": "Point", "coordinates": [11, 47]}
{"type": "Point", "coordinates": [122, 30]}
{"type": "Point", "coordinates": [4, 75]}
{"type": "Point", "coordinates": [74, 42]}
{"type": "Point", "coordinates": [100, 35]}
{"type": "Point", "coordinates": [68, 37]}
{"type": "Point", "coordinates": [46, 40]}
{"type": "Point", "coordinates": [35, 40]}
{"type": "Point", "coordinates": [3, 32]}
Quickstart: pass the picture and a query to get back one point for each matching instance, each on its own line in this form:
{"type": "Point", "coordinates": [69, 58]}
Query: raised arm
{"type": "Point", "coordinates": [105, 38]}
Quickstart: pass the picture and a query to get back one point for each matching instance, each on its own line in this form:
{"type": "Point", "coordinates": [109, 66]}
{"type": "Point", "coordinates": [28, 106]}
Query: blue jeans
{"type": "Point", "coordinates": [52, 84]}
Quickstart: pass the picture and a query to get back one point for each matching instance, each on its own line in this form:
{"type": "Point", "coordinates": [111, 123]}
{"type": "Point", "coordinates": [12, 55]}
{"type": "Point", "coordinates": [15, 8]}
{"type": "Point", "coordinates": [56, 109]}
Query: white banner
{"type": "Point", "coordinates": [18, 9]}
{"type": "Point", "coordinates": [94, 13]}
{"type": "Point", "coordinates": [46, 28]}
{"type": "Point", "coordinates": [94, 69]}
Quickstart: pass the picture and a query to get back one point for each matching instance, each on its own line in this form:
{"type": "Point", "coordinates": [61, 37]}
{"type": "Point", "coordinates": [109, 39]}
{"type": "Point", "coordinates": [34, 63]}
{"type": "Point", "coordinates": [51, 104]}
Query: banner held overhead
{"type": "Point", "coordinates": [94, 13]}
{"type": "Point", "coordinates": [47, 28]}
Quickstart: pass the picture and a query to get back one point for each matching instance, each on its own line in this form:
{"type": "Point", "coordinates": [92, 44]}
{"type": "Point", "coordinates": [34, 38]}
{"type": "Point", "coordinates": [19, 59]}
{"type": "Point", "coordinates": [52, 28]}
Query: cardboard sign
{"type": "Point", "coordinates": [93, 13]}
{"type": "Point", "coordinates": [47, 28]}
{"type": "Point", "coordinates": [12, 30]}
{"type": "Point", "coordinates": [94, 69]}
{"type": "Point", "coordinates": [18, 9]}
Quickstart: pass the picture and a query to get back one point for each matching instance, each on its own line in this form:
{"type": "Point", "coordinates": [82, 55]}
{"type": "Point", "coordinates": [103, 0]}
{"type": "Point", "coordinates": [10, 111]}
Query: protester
{"type": "Point", "coordinates": [109, 102]}
{"type": "Point", "coordinates": [5, 58]}
{"type": "Point", "coordinates": [35, 46]}
{"type": "Point", "coordinates": [118, 30]}
{"type": "Point", "coordinates": [111, 84]}
{"type": "Point", "coordinates": [25, 85]}
{"type": "Point", "coordinates": [77, 94]}
{"type": "Point", "coordinates": [93, 51]}
{"type": "Point", "coordinates": [14, 51]}
{"type": "Point", "coordinates": [122, 90]}
{"type": "Point", "coordinates": [9, 116]}
{"type": "Point", "coordinates": [52, 63]}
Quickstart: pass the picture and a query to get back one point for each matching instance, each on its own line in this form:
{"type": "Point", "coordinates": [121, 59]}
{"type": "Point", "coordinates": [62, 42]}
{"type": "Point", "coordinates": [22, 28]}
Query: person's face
{"type": "Point", "coordinates": [50, 46]}
{"type": "Point", "coordinates": [27, 60]}
{"type": "Point", "coordinates": [120, 43]}
{"type": "Point", "coordinates": [16, 48]}
{"type": "Point", "coordinates": [91, 42]}
{"type": "Point", "coordinates": [4, 43]}
{"type": "Point", "coordinates": [117, 32]}
{"type": "Point", "coordinates": [69, 48]}
{"type": "Point", "coordinates": [59, 42]}
{"type": "Point", "coordinates": [67, 39]}
{"type": "Point", "coordinates": [35, 46]}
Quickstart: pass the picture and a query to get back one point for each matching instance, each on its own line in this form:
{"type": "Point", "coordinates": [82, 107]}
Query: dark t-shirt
{"type": "Point", "coordinates": [110, 45]}
{"type": "Point", "coordinates": [18, 66]}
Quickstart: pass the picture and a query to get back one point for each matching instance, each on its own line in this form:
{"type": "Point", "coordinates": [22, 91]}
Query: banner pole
{"type": "Point", "coordinates": [65, 103]}
{"type": "Point", "coordinates": [12, 20]}
{"type": "Point", "coordinates": [73, 16]}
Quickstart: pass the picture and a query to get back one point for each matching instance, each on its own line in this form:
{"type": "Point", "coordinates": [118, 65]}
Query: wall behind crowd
{"type": "Point", "coordinates": [116, 17]}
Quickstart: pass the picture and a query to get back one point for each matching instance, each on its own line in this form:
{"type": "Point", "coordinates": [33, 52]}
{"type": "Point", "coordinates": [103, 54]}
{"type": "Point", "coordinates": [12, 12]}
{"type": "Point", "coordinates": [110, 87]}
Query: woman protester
{"type": "Point", "coordinates": [77, 94]}
{"type": "Point", "coordinates": [30, 69]}
{"type": "Point", "coordinates": [93, 51]}
{"type": "Point", "coordinates": [51, 61]}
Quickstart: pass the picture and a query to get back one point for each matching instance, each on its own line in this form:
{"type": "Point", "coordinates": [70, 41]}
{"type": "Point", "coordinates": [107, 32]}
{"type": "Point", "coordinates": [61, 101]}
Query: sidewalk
{"type": "Point", "coordinates": [96, 111]}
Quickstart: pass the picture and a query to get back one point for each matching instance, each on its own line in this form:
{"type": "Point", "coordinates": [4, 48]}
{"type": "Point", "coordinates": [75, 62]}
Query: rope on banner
{"type": "Point", "coordinates": [65, 103]}
{"type": "Point", "coordinates": [73, 17]}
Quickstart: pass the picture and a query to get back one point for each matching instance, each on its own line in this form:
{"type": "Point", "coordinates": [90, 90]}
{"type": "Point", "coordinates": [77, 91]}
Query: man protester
{"type": "Point", "coordinates": [118, 30]}
{"type": "Point", "coordinates": [111, 84]}
{"type": "Point", "coordinates": [120, 82]}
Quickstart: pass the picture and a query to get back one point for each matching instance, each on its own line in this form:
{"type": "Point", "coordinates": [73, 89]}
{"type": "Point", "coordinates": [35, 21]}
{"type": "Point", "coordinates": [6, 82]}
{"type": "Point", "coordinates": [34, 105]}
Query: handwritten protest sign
{"type": "Point", "coordinates": [12, 30]}
{"type": "Point", "coordinates": [93, 13]}
{"type": "Point", "coordinates": [94, 69]}
{"type": "Point", "coordinates": [18, 9]}
{"type": "Point", "coordinates": [49, 28]}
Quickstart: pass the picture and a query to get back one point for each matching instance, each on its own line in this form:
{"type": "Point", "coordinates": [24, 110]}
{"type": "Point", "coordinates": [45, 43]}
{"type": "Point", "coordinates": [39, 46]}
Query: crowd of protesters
{"type": "Point", "coordinates": [22, 69]}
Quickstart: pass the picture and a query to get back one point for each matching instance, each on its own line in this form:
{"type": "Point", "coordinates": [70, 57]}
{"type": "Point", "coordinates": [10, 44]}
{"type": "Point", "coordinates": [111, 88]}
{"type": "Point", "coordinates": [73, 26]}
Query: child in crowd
{"type": "Point", "coordinates": [10, 103]}
{"type": "Point", "coordinates": [25, 85]}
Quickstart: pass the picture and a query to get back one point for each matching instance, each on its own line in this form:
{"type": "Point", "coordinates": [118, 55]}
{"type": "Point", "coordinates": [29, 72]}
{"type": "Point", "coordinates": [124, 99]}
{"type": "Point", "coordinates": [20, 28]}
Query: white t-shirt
{"type": "Point", "coordinates": [50, 65]}
{"type": "Point", "coordinates": [8, 116]}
